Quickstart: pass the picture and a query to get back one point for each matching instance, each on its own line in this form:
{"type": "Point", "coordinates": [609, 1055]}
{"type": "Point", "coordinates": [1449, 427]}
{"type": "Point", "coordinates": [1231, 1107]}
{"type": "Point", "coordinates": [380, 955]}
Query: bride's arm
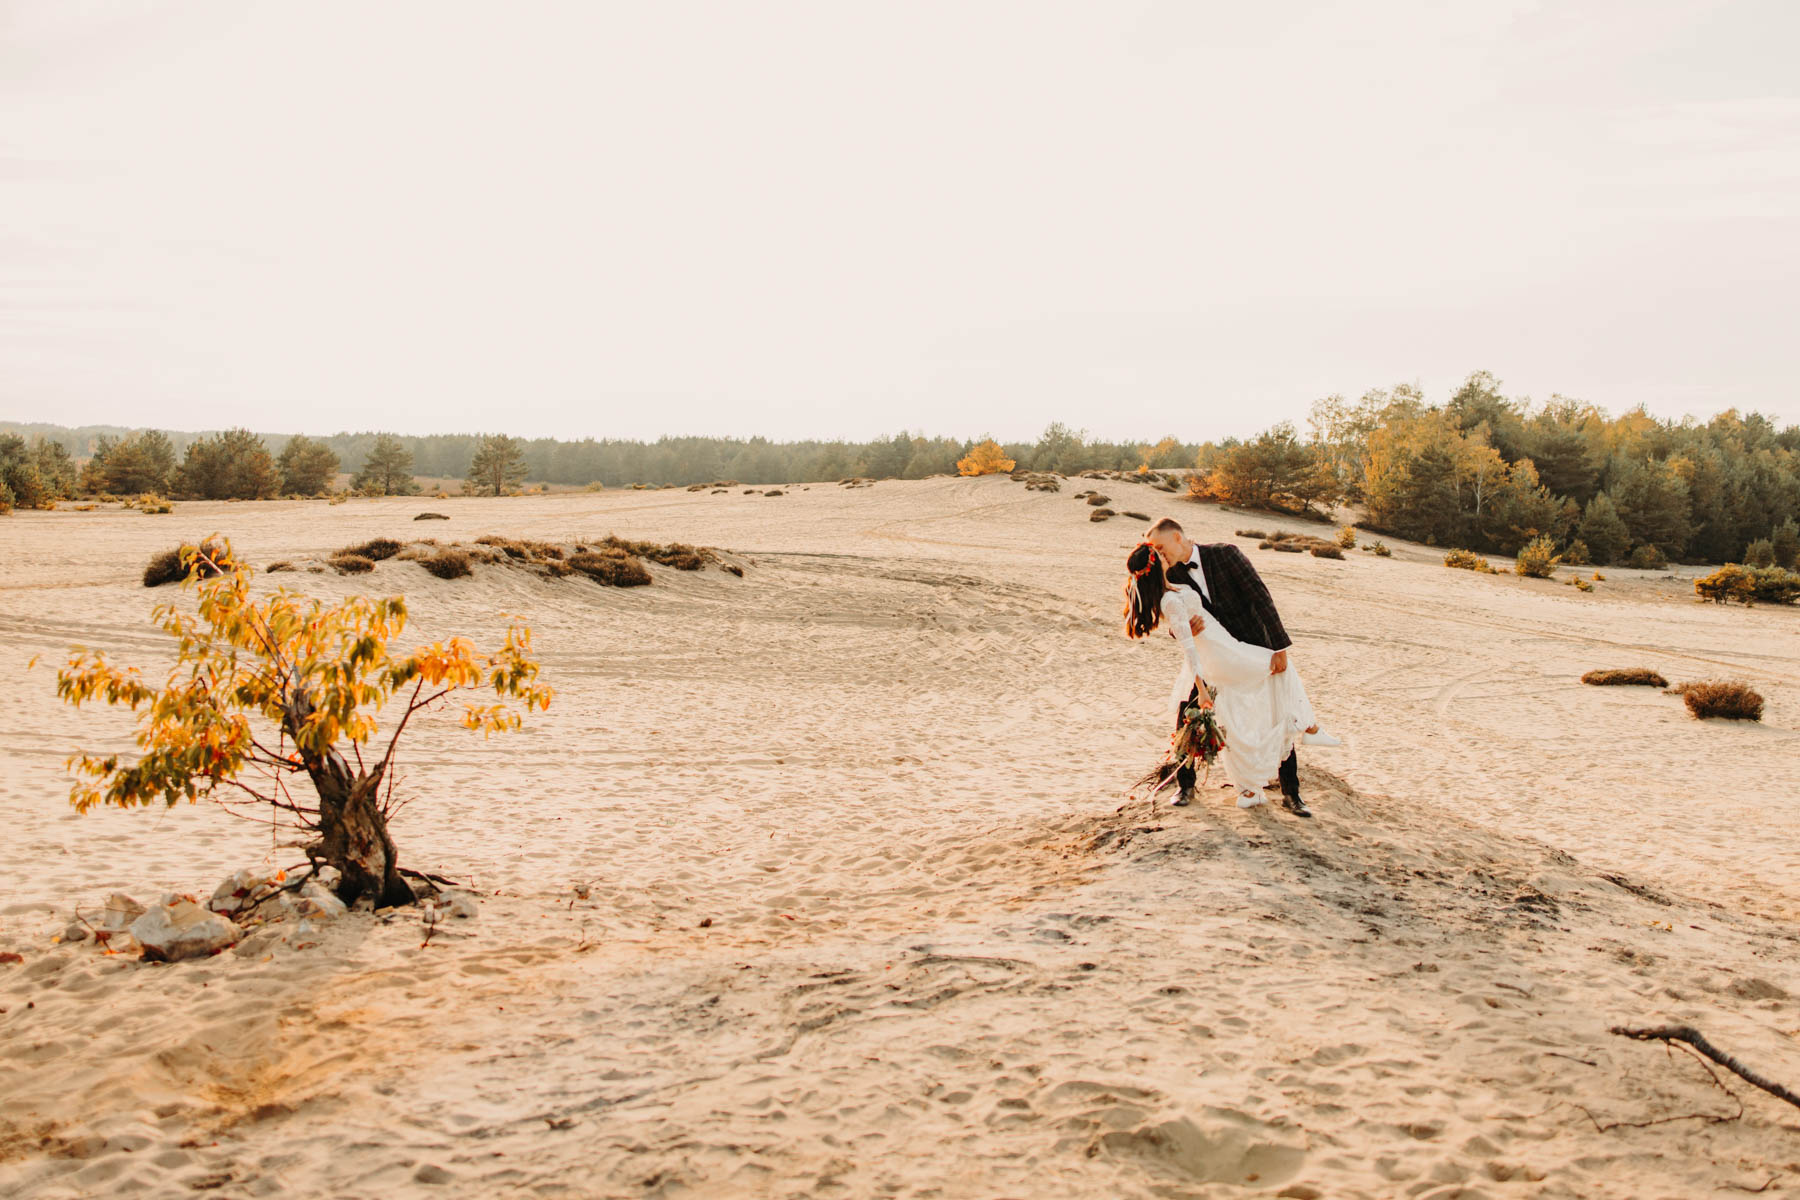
{"type": "Point", "coordinates": [1176, 617]}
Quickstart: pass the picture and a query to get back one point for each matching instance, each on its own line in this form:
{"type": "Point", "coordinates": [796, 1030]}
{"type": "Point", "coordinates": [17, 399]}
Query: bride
{"type": "Point", "coordinates": [1263, 714]}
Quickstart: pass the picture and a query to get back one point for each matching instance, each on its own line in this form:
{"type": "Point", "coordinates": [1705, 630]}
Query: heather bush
{"type": "Point", "coordinates": [1346, 537]}
{"type": "Point", "coordinates": [1648, 557]}
{"type": "Point", "coordinates": [1468, 560]}
{"type": "Point", "coordinates": [1722, 698]}
{"type": "Point", "coordinates": [1628, 677]}
{"type": "Point", "coordinates": [1327, 552]}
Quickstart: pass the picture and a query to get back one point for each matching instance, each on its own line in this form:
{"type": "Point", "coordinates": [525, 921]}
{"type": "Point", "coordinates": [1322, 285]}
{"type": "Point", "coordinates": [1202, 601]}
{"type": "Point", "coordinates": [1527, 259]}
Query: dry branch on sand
{"type": "Point", "coordinates": [1628, 677]}
{"type": "Point", "coordinates": [1689, 1036]}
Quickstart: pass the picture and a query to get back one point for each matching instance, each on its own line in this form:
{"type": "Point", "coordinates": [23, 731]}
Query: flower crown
{"type": "Point", "coordinates": [1148, 567]}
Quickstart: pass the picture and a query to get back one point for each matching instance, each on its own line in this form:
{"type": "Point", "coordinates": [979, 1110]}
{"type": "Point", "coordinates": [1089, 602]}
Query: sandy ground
{"type": "Point", "coordinates": [946, 957]}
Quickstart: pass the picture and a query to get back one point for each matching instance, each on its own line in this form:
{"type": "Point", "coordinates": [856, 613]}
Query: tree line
{"type": "Point", "coordinates": [1481, 470]}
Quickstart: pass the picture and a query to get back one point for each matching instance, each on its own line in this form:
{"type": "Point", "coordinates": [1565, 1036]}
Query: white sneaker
{"type": "Point", "coordinates": [1320, 738]}
{"type": "Point", "coordinates": [1249, 799]}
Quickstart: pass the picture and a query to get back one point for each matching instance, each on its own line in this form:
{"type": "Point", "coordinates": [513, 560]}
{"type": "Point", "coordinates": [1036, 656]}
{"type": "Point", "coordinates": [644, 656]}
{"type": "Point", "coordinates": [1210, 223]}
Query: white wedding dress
{"type": "Point", "coordinates": [1262, 715]}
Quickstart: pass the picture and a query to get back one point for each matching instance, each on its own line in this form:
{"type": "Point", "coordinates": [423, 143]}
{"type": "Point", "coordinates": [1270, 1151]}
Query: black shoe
{"type": "Point", "coordinates": [1297, 806]}
{"type": "Point", "coordinates": [1184, 799]}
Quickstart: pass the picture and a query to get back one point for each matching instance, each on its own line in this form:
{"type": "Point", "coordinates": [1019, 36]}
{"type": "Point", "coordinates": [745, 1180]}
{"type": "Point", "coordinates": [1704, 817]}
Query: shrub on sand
{"type": "Point", "coordinates": [1648, 558]}
{"type": "Point", "coordinates": [1096, 499]}
{"type": "Point", "coordinates": [1722, 698]}
{"type": "Point", "coordinates": [1577, 554]}
{"type": "Point", "coordinates": [1136, 516]}
{"type": "Point", "coordinates": [429, 516]}
{"type": "Point", "coordinates": [1258, 534]}
{"type": "Point", "coordinates": [1101, 514]}
{"type": "Point", "coordinates": [1749, 585]}
{"type": "Point", "coordinates": [611, 568]}
{"type": "Point", "coordinates": [171, 566]}
{"type": "Point", "coordinates": [1346, 537]}
{"type": "Point", "coordinates": [1379, 549]}
{"type": "Point", "coordinates": [1468, 560]}
{"type": "Point", "coordinates": [447, 564]}
{"type": "Point", "coordinates": [1537, 559]}
{"type": "Point", "coordinates": [351, 564]}
{"type": "Point", "coordinates": [277, 567]}
{"type": "Point", "coordinates": [1630, 676]}
{"type": "Point", "coordinates": [1327, 552]}
{"type": "Point", "coordinates": [375, 549]}
{"type": "Point", "coordinates": [1284, 546]}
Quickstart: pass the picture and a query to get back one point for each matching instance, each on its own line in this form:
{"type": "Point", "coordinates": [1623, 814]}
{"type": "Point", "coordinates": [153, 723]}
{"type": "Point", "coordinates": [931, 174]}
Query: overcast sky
{"type": "Point", "coordinates": [844, 218]}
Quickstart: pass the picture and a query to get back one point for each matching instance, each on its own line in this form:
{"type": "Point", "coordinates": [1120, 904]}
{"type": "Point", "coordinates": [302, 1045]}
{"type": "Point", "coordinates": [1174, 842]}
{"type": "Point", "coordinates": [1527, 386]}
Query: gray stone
{"type": "Point", "coordinates": [172, 932]}
{"type": "Point", "coordinates": [75, 931]}
{"type": "Point", "coordinates": [120, 911]}
{"type": "Point", "coordinates": [324, 903]}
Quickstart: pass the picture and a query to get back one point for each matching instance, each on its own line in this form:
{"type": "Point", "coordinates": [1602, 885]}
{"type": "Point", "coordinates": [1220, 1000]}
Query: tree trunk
{"type": "Point", "coordinates": [353, 833]}
{"type": "Point", "coordinates": [353, 837]}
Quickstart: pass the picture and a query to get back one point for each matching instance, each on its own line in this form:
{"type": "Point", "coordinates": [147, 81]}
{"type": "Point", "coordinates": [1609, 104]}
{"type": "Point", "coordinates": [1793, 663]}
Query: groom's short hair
{"type": "Point", "coordinates": [1166, 525]}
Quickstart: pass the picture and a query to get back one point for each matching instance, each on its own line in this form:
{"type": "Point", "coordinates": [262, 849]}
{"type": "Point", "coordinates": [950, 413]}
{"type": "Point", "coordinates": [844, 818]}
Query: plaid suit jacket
{"type": "Point", "coordinates": [1239, 598]}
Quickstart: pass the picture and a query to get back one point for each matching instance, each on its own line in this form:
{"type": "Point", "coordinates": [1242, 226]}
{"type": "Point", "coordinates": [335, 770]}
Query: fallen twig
{"type": "Point", "coordinates": [1690, 1036]}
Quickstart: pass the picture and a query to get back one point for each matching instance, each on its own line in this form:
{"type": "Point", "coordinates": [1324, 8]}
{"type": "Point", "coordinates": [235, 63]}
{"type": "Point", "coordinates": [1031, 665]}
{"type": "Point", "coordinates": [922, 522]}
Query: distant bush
{"type": "Point", "coordinates": [375, 549]}
{"type": "Point", "coordinates": [275, 568]}
{"type": "Point", "coordinates": [1258, 534]}
{"type": "Point", "coordinates": [1577, 554]}
{"type": "Point", "coordinates": [1581, 585]}
{"type": "Point", "coordinates": [1101, 514]}
{"type": "Point", "coordinates": [1722, 698]}
{"type": "Point", "coordinates": [1346, 537]}
{"type": "Point", "coordinates": [1760, 553]}
{"type": "Point", "coordinates": [428, 516]}
{"type": "Point", "coordinates": [1537, 559]}
{"type": "Point", "coordinates": [985, 458]}
{"type": "Point", "coordinates": [1599, 578]}
{"type": "Point", "coordinates": [1629, 677]}
{"type": "Point", "coordinates": [1786, 541]}
{"type": "Point", "coordinates": [351, 564]}
{"type": "Point", "coordinates": [775, 492]}
{"type": "Point", "coordinates": [1468, 560]}
{"type": "Point", "coordinates": [171, 566]}
{"type": "Point", "coordinates": [447, 564]}
{"type": "Point", "coordinates": [1096, 499]}
{"type": "Point", "coordinates": [1136, 516]}
{"type": "Point", "coordinates": [1749, 585]}
{"type": "Point", "coordinates": [1327, 552]}
{"type": "Point", "coordinates": [612, 568]}
{"type": "Point", "coordinates": [153, 505]}
{"type": "Point", "coordinates": [1379, 549]}
{"type": "Point", "coordinates": [1648, 557]}
{"type": "Point", "coordinates": [1284, 547]}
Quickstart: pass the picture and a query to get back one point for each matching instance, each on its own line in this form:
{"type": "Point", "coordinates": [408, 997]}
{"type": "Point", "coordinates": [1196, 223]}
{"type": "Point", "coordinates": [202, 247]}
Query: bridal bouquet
{"type": "Point", "coordinates": [1196, 743]}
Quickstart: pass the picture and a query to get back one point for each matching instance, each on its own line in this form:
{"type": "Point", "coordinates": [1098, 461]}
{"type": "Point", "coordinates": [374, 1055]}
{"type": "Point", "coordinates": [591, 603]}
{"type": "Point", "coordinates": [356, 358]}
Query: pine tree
{"type": "Point", "coordinates": [234, 465]}
{"type": "Point", "coordinates": [1603, 531]}
{"type": "Point", "coordinates": [388, 469]}
{"type": "Point", "coordinates": [307, 467]}
{"type": "Point", "coordinates": [498, 466]}
{"type": "Point", "coordinates": [1785, 542]}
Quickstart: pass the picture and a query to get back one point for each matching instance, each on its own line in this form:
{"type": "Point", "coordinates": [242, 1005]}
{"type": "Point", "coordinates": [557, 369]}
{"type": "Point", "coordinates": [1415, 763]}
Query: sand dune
{"type": "Point", "coordinates": [868, 912]}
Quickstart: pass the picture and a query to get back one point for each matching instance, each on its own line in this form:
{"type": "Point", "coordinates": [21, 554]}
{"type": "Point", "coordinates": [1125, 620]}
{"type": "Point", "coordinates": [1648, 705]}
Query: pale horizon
{"type": "Point", "coordinates": [836, 222]}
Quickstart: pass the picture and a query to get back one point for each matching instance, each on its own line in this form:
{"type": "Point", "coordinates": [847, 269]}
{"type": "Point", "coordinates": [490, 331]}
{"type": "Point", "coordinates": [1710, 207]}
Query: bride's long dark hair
{"type": "Point", "coordinates": [1143, 591]}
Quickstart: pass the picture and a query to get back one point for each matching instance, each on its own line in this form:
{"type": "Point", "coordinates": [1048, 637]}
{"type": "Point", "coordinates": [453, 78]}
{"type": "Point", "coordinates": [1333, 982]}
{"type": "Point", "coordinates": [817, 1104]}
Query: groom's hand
{"type": "Point", "coordinates": [1278, 662]}
{"type": "Point", "coordinates": [1195, 625]}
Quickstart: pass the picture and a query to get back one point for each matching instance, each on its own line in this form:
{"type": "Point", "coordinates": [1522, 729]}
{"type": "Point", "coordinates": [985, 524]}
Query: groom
{"type": "Point", "coordinates": [1233, 594]}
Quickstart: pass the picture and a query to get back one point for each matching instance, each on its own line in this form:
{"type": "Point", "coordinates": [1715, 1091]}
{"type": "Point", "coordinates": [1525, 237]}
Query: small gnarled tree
{"type": "Point", "coordinates": [269, 689]}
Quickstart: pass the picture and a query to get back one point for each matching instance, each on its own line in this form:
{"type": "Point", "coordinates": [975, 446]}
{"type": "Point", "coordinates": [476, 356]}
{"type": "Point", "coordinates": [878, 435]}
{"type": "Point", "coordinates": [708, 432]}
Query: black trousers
{"type": "Point", "coordinates": [1290, 766]}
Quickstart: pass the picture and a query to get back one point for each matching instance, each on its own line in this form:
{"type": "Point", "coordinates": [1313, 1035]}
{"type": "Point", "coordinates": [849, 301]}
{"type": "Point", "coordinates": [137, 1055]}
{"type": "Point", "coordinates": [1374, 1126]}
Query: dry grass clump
{"type": "Point", "coordinates": [446, 564]}
{"type": "Point", "coordinates": [1095, 499]}
{"type": "Point", "coordinates": [1722, 698]}
{"type": "Point", "coordinates": [1378, 548]}
{"type": "Point", "coordinates": [774, 492]}
{"type": "Point", "coordinates": [429, 516]}
{"type": "Point", "coordinates": [375, 549]}
{"type": "Point", "coordinates": [351, 564]}
{"type": "Point", "coordinates": [1037, 481]}
{"type": "Point", "coordinates": [1284, 546]}
{"type": "Point", "coordinates": [1136, 516]}
{"type": "Point", "coordinates": [1101, 514]}
{"type": "Point", "coordinates": [1346, 537]}
{"type": "Point", "coordinates": [275, 568]}
{"type": "Point", "coordinates": [1327, 552]}
{"type": "Point", "coordinates": [1297, 543]}
{"type": "Point", "coordinates": [1258, 534]}
{"type": "Point", "coordinates": [1537, 559]}
{"type": "Point", "coordinates": [167, 566]}
{"type": "Point", "coordinates": [610, 567]}
{"type": "Point", "coordinates": [1629, 677]}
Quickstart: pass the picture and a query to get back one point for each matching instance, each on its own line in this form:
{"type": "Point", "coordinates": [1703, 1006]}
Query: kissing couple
{"type": "Point", "coordinates": [1234, 662]}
